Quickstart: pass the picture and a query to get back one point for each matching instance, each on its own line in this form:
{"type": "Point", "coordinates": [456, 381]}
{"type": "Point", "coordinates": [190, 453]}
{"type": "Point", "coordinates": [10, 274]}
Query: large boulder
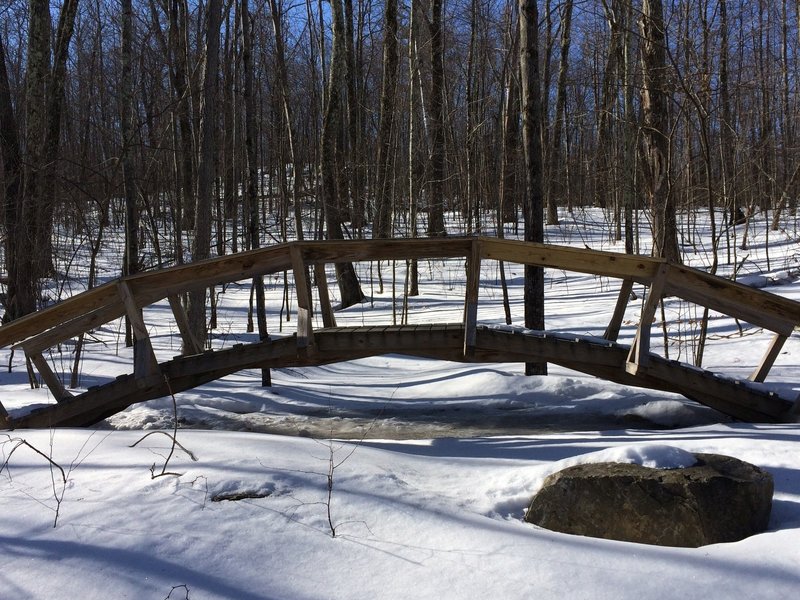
{"type": "Point", "coordinates": [719, 499]}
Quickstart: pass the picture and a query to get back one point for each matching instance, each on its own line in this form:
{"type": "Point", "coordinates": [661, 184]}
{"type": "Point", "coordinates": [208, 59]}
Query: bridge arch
{"type": "Point", "coordinates": [467, 340]}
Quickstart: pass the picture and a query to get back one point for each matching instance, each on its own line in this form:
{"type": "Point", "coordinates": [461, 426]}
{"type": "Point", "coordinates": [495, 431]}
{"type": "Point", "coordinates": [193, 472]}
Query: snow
{"type": "Point", "coordinates": [424, 519]}
{"type": "Point", "coordinates": [422, 469]}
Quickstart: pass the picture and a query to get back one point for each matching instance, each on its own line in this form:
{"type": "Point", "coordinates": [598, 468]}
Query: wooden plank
{"type": "Point", "coordinates": [305, 326]}
{"type": "Point", "coordinates": [328, 318]}
{"type": "Point", "coordinates": [641, 269]}
{"type": "Point", "coordinates": [145, 363]}
{"type": "Point", "coordinates": [70, 329]}
{"type": "Point", "coordinates": [471, 299]}
{"type": "Point", "coordinates": [338, 251]}
{"type": "Point", "coordinates": [152, 286]}
{"type": "Point", "coordinates": [612, 331]}
{"type": "Point", "coordinates": [440, 342]}
{"type": "Point", "coordinates": [738, 398]}
{"type": "Point", "coordinates": [101, 297]}
{"type": "Point", "coordinates": [640, 349]}
{"type": "Point", "coordinates": [760, 374]}
{"type": "Point", "coordinates": [190, 343]}
{"type": "Point", "coordinates": [51, 380]}
{"type": "Point", "coordinates": [752, 305]}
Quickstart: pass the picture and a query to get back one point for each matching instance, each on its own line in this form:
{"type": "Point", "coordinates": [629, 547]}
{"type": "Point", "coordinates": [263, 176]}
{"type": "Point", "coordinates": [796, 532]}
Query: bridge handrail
{"type": "Point", "coordinates": [102, 304]}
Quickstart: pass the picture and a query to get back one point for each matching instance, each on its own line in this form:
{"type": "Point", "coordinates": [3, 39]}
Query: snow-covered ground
{"type": "Point", "coordinates": [421, 468]}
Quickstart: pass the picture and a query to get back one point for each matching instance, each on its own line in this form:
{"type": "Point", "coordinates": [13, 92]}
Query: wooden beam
{"type": "Point", "coordinates": [190, 344]}
{"type": "Point", "coordinates": [145, 363]}
{"type": "Point", "coordinates": [100, 299]}
{"type": "Point", "coordinates": [328, 318]}
{"type": "Point", "coordinates": [50, 379]}
{"type": "Point", "coordinates": [305, 325]}
{"type": "Point", "coordinates": [50, 337]}
{"type": "Point", "coordinates": [749, 304]}
{"type": "Point", "coordinates": [760, 374]}
{"type": "Point", "coordinates": [640, 349]}
{"type": "Point", "coordinates": [471, 299]}
{"type": "Point", "coordinates": [641, 269]}
{"type": "Point", "coordinates": [612, 331]}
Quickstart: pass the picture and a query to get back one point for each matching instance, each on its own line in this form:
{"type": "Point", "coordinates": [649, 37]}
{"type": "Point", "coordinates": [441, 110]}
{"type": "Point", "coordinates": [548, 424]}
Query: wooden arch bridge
{"type": "Point", "coordinates": [468, 341]}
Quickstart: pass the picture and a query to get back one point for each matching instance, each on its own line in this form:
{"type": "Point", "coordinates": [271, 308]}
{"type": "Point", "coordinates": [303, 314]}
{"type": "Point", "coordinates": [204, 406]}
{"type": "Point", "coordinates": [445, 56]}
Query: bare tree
{"type": "Point", "coordinates": [655, 132]}
{"type": "Point", "coordinates": [349, 287]}
{"type": "Point", "coordinates": [383, 195]}
{"type": "Point", "coordinates": [29, 160]}
{"type": "Point", "coordinates": [201, 245]}
{"type": "Point", "coordinates": [436, 119]}
{"type": "Point", "coordinates": [533, 204]}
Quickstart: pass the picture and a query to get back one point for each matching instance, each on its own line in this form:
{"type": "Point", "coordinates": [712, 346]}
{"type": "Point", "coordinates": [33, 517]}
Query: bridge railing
{"type": "Point", "coordinates": [127, 296]}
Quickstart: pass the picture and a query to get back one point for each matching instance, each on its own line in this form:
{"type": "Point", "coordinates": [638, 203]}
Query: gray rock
{"type": "Point", "coordinates": [720, 499]}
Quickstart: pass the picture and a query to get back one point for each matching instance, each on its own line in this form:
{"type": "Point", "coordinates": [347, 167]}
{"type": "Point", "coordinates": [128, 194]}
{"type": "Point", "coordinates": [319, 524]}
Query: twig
{"type": "Point", "coordinates": [58, 496]}
{"type": "Point", "coordinates": [173, 437]}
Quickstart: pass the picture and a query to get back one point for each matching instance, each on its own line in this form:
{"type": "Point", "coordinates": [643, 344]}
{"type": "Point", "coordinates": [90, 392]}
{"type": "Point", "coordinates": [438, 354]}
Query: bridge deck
{"type": "Point", "coordinates": [602, 358]}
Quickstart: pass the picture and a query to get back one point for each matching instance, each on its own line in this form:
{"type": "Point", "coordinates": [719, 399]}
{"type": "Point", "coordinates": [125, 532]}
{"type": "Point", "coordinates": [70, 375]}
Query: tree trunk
{"type": "Point", "coordinates": [383, 184]}
{"type": "Point", "coordinates": [655, 132]}
{"type": "Point", "coordinates": [531, 136]}
{"type": "Point", "coordinates": [201, 246]}
{"type": "Point", "coordinates": [436, 119]}
{"type": "Point", "coordinates": [131, 257]}
{"type": "Point", "coordinates": [349, 287]}
{"type": "Point", "coordinates": [561, 106]}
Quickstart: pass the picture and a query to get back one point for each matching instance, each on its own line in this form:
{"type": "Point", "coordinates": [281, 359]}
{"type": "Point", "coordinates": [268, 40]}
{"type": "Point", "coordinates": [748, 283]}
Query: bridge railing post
{"type": "Point", "coordinates": [190, 344]}
{"type": "Point", "coordinates": [471, 298]}
{"type": "Point", "coordinates": [145, 363]}
{"type": "Point", "coordinates": [761, 371]}
{"type": "Point", "coordinates": [638, 357]}
{"type": "Point", "coordinates": [612, 331]}
{"type": "Point", "coordinates": [328, 318]}
{"type": "Point", "coordinates": [305, 325]}
{"type": "Point", "coordinates": [50, 379]}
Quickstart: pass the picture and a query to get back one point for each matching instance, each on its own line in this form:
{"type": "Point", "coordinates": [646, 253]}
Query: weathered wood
{"type": "Point", "coordinates": [467, 341]}
{"type": "Point", "coordinates": [612, 331]}
{"type": "Point", "coordinates": [641, 269]}
{"type": "Point", "coordinates": [471, 300]}
{"type": "Point", "coordinates": [640, 349]}
{"type": "Point", "coordinates": [145, 363]}
{"type": "Point", "coordinates": [190, 344]}
{"type": "Point", "coordinates": [51, 380]}
{"type": "Point", "coordinates": [760, 374]}
{"type": "Point", "coordinates": [305, 325]}
{"type": "Point", "coordinates": [76, 308]}
{"type": "Point", "coordinates": [328, 318]}
{"type": "Point", "coordinates": [82, 324]}
{"type": "Point", "coordinates": [442, 341]}
{"type": "Point", "coordinates": [752, 305]}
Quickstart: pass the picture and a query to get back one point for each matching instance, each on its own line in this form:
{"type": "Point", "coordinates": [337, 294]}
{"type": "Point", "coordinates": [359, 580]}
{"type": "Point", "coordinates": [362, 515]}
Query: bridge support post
{"type": "Point", "coordinates": [190, 344]}
{"type": "Point", "coordinates": [612, 331]}
{"type": "Point", "coordinates": [305, 325]}
{"type": "Point", "coordinates": [638, 355]}
{"type": "Point", "coordinates": [50, 379]}
{"type": "Point", "coordinates": [760, 374]}
{"type": "Point", "coordinates": [145, 363]}
{"type": "Point", "coordinates": [328, 318]}
{"type": "Point", "coordinates": [471, 299]}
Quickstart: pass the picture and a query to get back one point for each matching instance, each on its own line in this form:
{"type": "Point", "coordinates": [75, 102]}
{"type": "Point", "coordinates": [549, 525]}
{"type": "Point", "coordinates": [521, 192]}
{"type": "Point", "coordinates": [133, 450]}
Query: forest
{"type": "Point", "coordinates": [203, 128]}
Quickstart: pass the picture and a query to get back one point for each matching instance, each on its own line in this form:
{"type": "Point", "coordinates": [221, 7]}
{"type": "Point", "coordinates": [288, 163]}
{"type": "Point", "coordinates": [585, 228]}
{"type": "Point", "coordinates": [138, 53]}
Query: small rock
{"type": "Point", "coordinates": [719, 499]}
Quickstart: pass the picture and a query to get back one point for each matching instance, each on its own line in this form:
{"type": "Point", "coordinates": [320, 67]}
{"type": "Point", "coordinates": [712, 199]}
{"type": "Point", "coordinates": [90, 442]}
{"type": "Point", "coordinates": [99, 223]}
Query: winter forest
{"type": "Point", "coordinates": [203, 128]}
